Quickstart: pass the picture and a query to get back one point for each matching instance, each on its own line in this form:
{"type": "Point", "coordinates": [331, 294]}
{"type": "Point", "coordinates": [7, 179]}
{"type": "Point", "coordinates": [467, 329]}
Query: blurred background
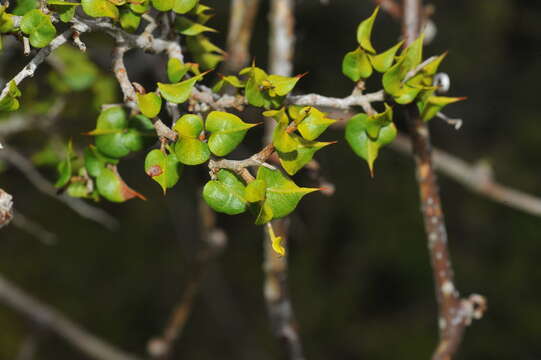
{"type": "Point", "coordinates": [360, 278]}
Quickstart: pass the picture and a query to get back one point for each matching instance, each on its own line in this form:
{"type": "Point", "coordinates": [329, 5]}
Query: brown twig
{"type": "Point", "coordinates": [455, 313]}
{"type": "Point", "coordinates": [391, 7]}
{"type": "Point", "coordinates": [476, 177]}
{"type": "Point", "coordinates": [278, 302]}
{"type": "Point", "coordinates": [44, 315]}
{"type": "Point", "coordinates": [34, 229]}
{"type": "Point", "coordinates": [213, 240]}
{"type": "Point", "coordinates": [241, 23]}
{"type": "Point", "coordinates": [238, 166]}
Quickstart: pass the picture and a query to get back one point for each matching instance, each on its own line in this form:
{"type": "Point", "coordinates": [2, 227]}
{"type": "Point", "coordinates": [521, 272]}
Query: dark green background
{"type": "Point", "coordinates": [360, 278]}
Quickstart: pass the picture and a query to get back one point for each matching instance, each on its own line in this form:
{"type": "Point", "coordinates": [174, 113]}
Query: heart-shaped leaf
{"type": "Point", "coordinates": [100, 8]}
{"type": "Point", "coordinates": [295, 160]}
{"type": "Point", "coordinates": [283, 140]}
{"type": "Point", "coordinates": [364, 32]}
{"type": "Point", "coordinates": [94, 161]}
{"type": "Point", "coordinates": [39, 28]}
{"type": "Point", "coordinates": [129, 20]}
{"type": "Point", "coordinates": [116, 137]}
{"type": "Point", "coordinates": [362, 144]}
{"type": "Point", "coordinates": [164, 169]}
{"type": "Point", "coordinates": [150, 104]}
{"type": "Point", "coordinates": [382, 62]}
{"type": "Point", "coordinates": [111, 186]}
{"type": "Point", "coordinates": [356, 65]}
{"type": "Point", "coordinates": [189, 125]}
{"type": "Point", "coordinates": [191, 151]}
{"type": "Point", "coordinates": [433, 105]}
{"type": "Point", "coordinates": [10, 101]}
{"type": "Point", "coordinates": [282, 85]}
{"type": "Point", "coordinates": [227, 132]}
{"type": "Point", "coordinates": [253, 90]}
{"type": "Point", "coordinates": [188, 27]}
{"type": "Point", "coordinates": [183, 6]}
{"type": "Point", "coordinates": [226, 193]}
{"type": "Point", "coordinates": [282, 194]}
{"type": "Point", "coordinates": [176, 70]}
{"type": "Point", "coordinates": [314, 123]}
{"type": "Point", "coordinates": [163, 5]}
{"type": "Point", "coordinates": [179, 92]}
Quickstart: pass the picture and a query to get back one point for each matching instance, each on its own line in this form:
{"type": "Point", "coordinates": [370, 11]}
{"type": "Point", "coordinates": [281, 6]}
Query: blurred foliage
{"type": "Point", "coordinates": [360, 277]}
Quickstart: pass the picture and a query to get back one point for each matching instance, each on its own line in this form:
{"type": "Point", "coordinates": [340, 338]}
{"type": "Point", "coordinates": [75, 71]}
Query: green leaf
{"type": "Point", "coordinates": [283, 85]}
{"type": "Point", "coordinates": [279, 115]}
{"type": "Point", "coordinates": [78, 189]}
{"type": "Point", "coordinates": [6, 21]}
{"type": "Point", "coordinates": [176, 70]}
{"type": "Point", "coordinates": [254, 94]}
{"type": "Point", "coordinates": [282, 194]}
{"type": "Point", "coordinates": [295, 160]}
{"type": "Point", "coordinates": [64, 168]}
{"type": "Point", "coordinates": [113, 118]}
{"type": "Point", "coordinates": [65, 13]}
{"type": "Point", "coordinates": [282, 139]}
{"type": "Point", "coordinates": [256, 191]}
{"type": "Point", "coordinates": [187, 27]}
{"type": "Point", "coordinates": [129, 20]}
{"type": "Point", "coordinates": [356, 65]}
{"type": "Point", "coordinates": [378, 121]}
{"type": "Point", "coordinates": [226, 193]}
{"type": "Point", "coordinates": [24, 6]}
{"type": "Point", "coordinates": [10, 102]}
{"type": "Point", "coordinates": [78, 72]}
{"type": "Point", "coordinates": [100, 8]}
{"type": "Point", "coordinates": [434, 104]}
{"type": "Point", "coordinates": [179, 92]}
{"type": "Point", "coordinates": [164, 169]}
{"type": "Point", "coordinates": [382, 62]}
{"type": "Point", "coordinates": [314, 124]}
{"type": "Point", "coordinates": [116, 137]}
{"type": "Point", "coordinates": [364, 32]}
{"type": "Point", "coordinates": [163, 5]}
{"type": "Point", "coordinates": [94, 161]}
{"type": "Point", "coordinates": [192, 151]}
{"type": "Point", "coordinates": [414, 52]}
{"type": "Point", "coordinates": [362, 144]}
{"type": "Point", "coordinates": [183, 6]}
{"type": "Point", "coordinates": [227, 132]}
{"type": "Point", "coordinates": [150, 104]}
{"type": "Point", "coordinates": [111, 186]}
{"type": "Point", "coordinates": [140, 7]}
{"type": "Point", "coordinates": [39, 28]}
{"type": "Point", "coordinates": [189, 125]}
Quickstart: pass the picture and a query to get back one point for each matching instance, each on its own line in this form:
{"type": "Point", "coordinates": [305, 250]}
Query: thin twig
{"type": "Point", "coordinates": [477, 178]}
{"type": "Point", "coordinates": [391, 7]}
{"type": "Point", "coordinates": [454, 313]}
{"type": "Point", "coordinates": [30, 68]}
{"type": "Point", "coordinates": [238, 166]}
{"type": "Point", "coordinates": [34, 229]}
{"type": "Point", "coordinates": [44, 315]}
{"type": "Point", "coordinates": [79, 206]}
{"type": "Point", "coordinates": [241, 23]}
{"type": "Point", "coordinates": [278, 302]}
